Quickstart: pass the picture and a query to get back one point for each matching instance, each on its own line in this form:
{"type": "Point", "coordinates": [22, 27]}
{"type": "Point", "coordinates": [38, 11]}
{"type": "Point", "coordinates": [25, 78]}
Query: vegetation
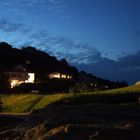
{"type": "Point", "coordinates": [42, 64]}
{"type": "Point", "coordinates": [50, 99]}
{"type": "Point", "coordinates": [4, 83]}
{"type": "Point", "coordinates": [79, 88]}
{"type": "Point", "coordinates": [1, 105]}
{"type": "Point", "coordinates": [31, 102]}
{"type": "Point", "coordinates": [33, 60]}
{"type": "Point", "coordinates": [133, 88]}
{"type": "Point", "coordinates": [19, 103]}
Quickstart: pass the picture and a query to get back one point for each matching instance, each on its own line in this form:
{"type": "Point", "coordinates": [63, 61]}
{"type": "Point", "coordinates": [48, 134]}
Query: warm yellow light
{"type": "Point", "coordinates": [54, 75]}
{"type": "Point", "coordinates": [69, 77]}
{"type": "Point", "coordinates": [59, 75]}
{"type": "Point", "coordinates": [31, 78]}
{"type": "Point", "coordinates": [16, 83]}
{"type": "Point", "coordinates": [63, 76]}
{"type": "Point", "coordinates": [137, 83]}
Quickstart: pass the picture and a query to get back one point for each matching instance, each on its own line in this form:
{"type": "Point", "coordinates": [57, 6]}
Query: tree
{"type": "Point", "coordinates": [4, 83]}
{"type": "Point", "coordinates": [64, 62]}
{"type": "Point", "coordinates": [1, 103]}
{"type": "Point", "coordinates": [124, 83]}
{"type": "Point", "coordinates": [79, 88]}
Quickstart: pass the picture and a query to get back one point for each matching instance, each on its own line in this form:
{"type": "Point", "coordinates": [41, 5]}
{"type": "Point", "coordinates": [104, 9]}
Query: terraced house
{"type": "Point", "coordinates": [19, 75]}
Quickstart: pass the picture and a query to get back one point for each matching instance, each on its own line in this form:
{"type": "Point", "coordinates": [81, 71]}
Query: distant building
{"type": "Point", "coordinates": [19, 75]}
{"type": "Point", "coordinates": [137, 83]}
{"type": "Point", "coordinates": [59, 76]}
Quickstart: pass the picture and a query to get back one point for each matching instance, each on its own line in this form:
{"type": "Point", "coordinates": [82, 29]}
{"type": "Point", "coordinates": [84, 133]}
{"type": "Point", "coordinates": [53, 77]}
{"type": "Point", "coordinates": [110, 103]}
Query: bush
{"type": "Point", "coordinates": [4, 83]}
{"type": "Point", "coordinates": [1, 103]}
{"type": "Point", "coordinates": [79, 88]}
{"type": "Point", "coordinates": [52, 86]}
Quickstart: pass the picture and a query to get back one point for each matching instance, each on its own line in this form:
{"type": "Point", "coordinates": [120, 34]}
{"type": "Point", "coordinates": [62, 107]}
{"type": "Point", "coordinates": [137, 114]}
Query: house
{"type": "Point", "coordinates": [19, 75]}
{"type": "Point", "coordinates": [59, 75]}
{"type": "Point", "coordinates": [137, 83]}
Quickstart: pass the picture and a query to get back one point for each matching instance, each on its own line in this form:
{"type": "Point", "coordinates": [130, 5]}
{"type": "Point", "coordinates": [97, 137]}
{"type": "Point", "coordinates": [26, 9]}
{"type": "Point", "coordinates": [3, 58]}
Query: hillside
{"type": "Point", "coordinates": [30, 102]}
{"type": "Point", "coordinates": [42, 64]}
{"type": "Point", "coordinates": [87, 116]}
{"type": "Point", "coordinates": [133, 88]}
{"type": "Point", "coordinates": [32, 59]}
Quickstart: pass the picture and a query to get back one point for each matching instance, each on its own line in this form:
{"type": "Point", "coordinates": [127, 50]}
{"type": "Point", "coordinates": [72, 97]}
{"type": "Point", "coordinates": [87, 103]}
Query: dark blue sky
{"type": "Point", "coordinates": [99, 36]}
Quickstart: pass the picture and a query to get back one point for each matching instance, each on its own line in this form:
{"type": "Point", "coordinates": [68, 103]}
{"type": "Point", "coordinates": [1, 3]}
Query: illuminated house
{"type": "Point", "coordinates": [19, 75]}
{"type": "Point", "coordinates": [59, 76]}
{"type": "Point", "coordinates": [137, 83]}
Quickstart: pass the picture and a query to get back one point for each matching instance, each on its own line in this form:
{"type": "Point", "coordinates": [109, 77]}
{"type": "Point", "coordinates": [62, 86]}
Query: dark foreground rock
{"type": "Point", "coordinates": [79, 122]}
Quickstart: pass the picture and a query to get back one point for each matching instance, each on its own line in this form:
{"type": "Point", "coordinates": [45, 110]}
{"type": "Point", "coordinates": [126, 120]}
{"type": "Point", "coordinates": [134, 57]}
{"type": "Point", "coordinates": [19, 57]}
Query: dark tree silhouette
{"type": "Point", "coordinates": [4, 83]}
{"type": "Point", "coordinates": [1, 103]}
{"type": "Point", "coordinates": [64, 62]}
{"type": "Point", "coordinates": [42, 64]}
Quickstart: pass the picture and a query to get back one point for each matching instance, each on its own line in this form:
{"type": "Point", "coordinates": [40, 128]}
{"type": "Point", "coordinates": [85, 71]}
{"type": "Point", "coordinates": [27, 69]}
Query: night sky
{"type": "Point", "coordinates": [98, 36]}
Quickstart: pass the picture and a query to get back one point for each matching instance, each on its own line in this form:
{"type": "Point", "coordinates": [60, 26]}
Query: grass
{"type": "Point", "coordinates": [22, 103]}
{"type": "Point", "coordinates": [133, 88]}
{"type": "Point", "coordinates": [50, 99]}
{"type": "Point", "coordinates": [19, 103]}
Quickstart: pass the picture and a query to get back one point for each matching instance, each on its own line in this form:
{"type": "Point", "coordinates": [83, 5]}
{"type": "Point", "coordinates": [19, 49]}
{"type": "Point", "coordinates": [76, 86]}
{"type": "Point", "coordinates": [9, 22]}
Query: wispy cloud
{"type": "Point", "coordinates": [8, 26]}
{"type": "Point", "coordinates": [61, 47]}
{"type": "Point", "coordinates": [65, 48]}
{"type": "Point", "coordinates": [84, 55]}
{"type": "Point", "coordinates": [126, 68]}
{"type": "Point", "coordinates": [56, 1]}
{"type": "Point", "coordinates": [130, 61]}
{"type": "Point", "coordinates": [50, 7]}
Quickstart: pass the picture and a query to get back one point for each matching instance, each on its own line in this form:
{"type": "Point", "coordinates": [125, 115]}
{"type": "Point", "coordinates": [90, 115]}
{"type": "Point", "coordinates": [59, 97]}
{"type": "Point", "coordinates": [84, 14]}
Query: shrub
{"type": "Point", "coordinates": [79, 88]}
{"type": "Point", "coordinates": [1, 103]}
{"type": "Point", "coordinates": [4, 83]}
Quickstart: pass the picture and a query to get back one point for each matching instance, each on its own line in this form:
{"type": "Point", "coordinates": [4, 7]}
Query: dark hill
{"type": "Point", "coordinates": [33, 59]}
{"type": "Point", "coordinates": [42, 64]}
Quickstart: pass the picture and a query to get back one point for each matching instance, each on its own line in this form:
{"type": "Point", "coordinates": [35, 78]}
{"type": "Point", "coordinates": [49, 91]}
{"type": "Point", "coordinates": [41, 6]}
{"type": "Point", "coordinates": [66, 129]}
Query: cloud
{"type": "Point", "coordinates": [83, 55]}
{"type": "Point", "coordinates": [130, 61]}
{"type": "Point", "coordinates": [5, 3]}
{"type": "Point", "coordinates": [57, 7]}
{"type": "Point", "coordinates": [23, 7]}
{"type": "Point", "coordinates": [63, 47]}
{"type": "Point", "coordinates": [126, 68]}
{"type": "Point", "coordinates": [15, 33]}
{"type": "Point", "coordinates": [8, 26]}
{"type": "Point", "coordinates": [56, 1]}
{"type": "Point", "coordinates": [59, 46]}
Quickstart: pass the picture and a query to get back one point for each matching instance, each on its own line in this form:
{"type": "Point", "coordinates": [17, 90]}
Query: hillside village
{"type": "Point", "coordinates": [28, 69]}
{"type": "Point", "coordinates": [39, 107]}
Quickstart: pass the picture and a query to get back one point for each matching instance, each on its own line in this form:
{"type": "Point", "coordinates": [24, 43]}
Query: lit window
{"type": "Point", "coordinates": [31, 78]}
{"type": "Point", "coordinates": [63, 76]}
{"type": "Point", "coordinates": [16, 83]}
{"type": "Point", "coordinates": [54, 75]}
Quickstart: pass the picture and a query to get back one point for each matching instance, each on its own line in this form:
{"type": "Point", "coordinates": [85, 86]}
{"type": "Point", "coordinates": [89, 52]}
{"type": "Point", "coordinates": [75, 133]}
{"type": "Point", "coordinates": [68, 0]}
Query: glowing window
{"type": "Point", "coordinates": [31, 78]}
{"type": "Point", "coordinates": [63, 76]}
